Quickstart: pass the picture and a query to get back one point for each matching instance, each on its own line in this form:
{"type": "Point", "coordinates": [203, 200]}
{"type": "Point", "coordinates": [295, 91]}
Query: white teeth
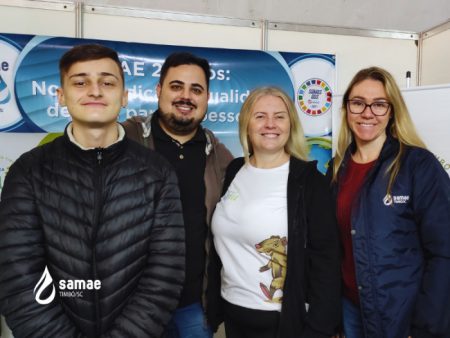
{"type": "Point", "coordinates": [270, 135]}
{"type": "Point", "coordinates": [184, 108]}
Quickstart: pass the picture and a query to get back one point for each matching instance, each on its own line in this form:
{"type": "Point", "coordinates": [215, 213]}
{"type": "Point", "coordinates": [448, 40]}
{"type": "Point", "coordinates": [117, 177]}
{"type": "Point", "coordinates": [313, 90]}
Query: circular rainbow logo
{"type": "Point", "coordinates": [314, 97]}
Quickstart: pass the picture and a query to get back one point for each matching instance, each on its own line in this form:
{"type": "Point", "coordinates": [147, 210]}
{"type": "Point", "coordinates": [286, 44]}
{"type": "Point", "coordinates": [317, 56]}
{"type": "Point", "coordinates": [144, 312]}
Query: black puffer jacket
{"type": "Point", "coordinates": [109, 214]}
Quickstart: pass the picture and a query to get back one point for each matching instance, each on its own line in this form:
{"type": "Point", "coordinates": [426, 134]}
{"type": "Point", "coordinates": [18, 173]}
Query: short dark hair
{"type": "Point", "coordinates": [87, 52]}
{"type": "Point", "coordinates": [184, 58]}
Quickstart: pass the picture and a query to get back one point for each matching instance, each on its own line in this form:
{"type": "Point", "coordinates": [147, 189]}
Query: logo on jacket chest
{"type": "Point", "coordinates": [395, 199]}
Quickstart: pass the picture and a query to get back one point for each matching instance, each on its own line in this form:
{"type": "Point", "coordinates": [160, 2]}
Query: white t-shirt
{"type": "Point", "coordinates": [250, 236]}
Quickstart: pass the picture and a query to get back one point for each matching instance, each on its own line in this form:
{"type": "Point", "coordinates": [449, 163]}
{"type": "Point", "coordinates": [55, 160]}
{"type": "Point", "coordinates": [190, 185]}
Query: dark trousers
{"type": "Point", "coordinates": [241, 322]}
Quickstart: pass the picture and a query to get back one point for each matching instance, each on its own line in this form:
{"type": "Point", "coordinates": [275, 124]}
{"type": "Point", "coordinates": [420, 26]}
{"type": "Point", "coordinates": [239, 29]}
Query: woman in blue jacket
{"type": "Point", "coordinates": [393, 210]}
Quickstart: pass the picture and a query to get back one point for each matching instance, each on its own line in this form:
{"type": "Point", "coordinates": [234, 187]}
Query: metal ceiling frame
{"type": "Point", "coordinates": [81, 8]}
{"type": "Point", "coordinates": [67, 6]}
{"type": "Point", "coordinates": [422, 37]}
{"type": "Point", "coordinates": [436, 30]}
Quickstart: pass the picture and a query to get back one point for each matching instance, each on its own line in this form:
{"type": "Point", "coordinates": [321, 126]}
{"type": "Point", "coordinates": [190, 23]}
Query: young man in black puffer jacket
{"type": "Point", "coordinates": [91, 227]}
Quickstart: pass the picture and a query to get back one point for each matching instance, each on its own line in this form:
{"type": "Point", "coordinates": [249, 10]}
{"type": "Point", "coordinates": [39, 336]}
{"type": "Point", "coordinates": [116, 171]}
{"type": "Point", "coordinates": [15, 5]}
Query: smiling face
{"type": "Point", "coordinates": [367, 127]}
{"type": "Point", "coordinates": [183, 99]}
{"type": "Point", "coordinates": [269, 125]}
{"type": "Point", "coordinates": [93, 92]}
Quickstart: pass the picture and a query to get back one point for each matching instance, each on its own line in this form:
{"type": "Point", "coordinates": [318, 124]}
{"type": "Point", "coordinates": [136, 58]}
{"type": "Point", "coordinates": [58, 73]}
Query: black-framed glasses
{"type": "Point", "coordinates": [379, 108]}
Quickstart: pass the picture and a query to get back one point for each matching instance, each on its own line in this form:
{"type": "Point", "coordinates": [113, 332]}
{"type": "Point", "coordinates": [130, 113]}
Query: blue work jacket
{"type": "Point", "coordinates": [401, 245]}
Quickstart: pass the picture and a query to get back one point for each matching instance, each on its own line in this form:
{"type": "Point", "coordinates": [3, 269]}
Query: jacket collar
{"type": "Point", "coordinates": [298, 168]}
{"type": "Point", "coordinates": [92, 155]}
{"type": "Point", "coordinates": [69, 130]}
{"type": "Point", "coordinates": [390, 147]}
{"type": "Point", "coordinates": [388, 151]}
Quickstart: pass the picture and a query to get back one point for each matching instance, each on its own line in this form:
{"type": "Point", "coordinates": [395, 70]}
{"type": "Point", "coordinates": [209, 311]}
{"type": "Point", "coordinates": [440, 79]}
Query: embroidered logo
{"type": "Point", "coordinates": [231, 195]}
{"type": "Point", "coordinates": [399, 199]}
{"type": "Point", "coordinates": [387, 200]}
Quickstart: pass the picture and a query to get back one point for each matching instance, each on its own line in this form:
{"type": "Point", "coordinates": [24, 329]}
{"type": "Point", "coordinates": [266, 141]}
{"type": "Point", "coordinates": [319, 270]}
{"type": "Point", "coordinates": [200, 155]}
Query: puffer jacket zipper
{"type": "Point", "coordinates": [98, 172]}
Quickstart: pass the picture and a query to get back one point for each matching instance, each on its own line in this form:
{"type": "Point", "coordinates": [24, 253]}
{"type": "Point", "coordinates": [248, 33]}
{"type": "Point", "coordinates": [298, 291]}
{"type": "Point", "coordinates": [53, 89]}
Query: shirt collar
{"type": "Point", "coordinates": [160, 134]}
{"type": "Point", "coordinates": [120, 130]}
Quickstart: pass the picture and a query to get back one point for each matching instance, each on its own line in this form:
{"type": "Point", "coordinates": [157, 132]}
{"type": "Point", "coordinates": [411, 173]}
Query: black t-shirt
{"type": "Point", "coordinates": [189, 161]}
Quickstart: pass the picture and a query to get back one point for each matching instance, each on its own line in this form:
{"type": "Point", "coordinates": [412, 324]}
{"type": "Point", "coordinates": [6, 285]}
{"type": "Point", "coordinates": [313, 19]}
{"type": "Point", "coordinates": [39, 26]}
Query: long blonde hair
{"type": "Point", "coordinates": [296, 144]}
{"type": "Point", "coordinates": [400, 126]}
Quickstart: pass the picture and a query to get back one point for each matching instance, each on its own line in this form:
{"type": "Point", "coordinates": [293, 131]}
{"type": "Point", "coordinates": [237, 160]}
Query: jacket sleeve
{"type": "Point", "coordinates": [133, 128]}
{"type": "Point", "coordinates": [214, 301]}
{"type": "Point", "coordinates": [323, 260]}
{"type": "Point", "coordinates": [329, 173]}
{"type": "Point", "coordinates": [225, 157]}
{"type": "Point", "coordinates": [149, 308]}
{"type": "Point", "coordinates": [431, 202]}
{"type": "Point", "coordinates": [22, 262]}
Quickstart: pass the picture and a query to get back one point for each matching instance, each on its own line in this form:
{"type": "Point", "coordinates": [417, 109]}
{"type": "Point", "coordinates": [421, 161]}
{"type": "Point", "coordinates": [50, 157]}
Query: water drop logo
{"type": "Point", "coordinates": [10, 116]}
{"type": "Point", "coordinates": [5, 94]}
{"type": "Point", "coordinates": [45, 281]}
{"type": "Point", "coordinates": [387, 200]}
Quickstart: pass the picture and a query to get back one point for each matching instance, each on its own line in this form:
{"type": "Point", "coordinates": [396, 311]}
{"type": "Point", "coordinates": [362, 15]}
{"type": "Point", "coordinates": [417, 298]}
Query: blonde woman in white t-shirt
{"type": "Point", "coordinates": [275, 267]}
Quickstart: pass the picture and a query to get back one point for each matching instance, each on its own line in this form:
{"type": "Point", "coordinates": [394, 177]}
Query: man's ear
{"type": "Point", "coordinates": [158, 89]}
{"type": "Point", "coordinates": [125, 98]}
{"type": "Point", "coordinates": [60, 95]}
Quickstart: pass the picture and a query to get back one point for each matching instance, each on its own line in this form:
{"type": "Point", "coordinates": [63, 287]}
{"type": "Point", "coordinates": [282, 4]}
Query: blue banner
{"type": "Point", "coordinates": [29, 77]}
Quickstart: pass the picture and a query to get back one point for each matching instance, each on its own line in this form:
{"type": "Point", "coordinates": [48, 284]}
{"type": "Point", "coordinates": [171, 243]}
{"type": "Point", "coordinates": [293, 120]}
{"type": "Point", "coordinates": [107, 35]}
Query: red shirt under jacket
{"type": "Point", "coordinates": [350, 185]}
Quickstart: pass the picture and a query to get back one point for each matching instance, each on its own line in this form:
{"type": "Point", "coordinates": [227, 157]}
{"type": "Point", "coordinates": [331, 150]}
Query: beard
{"type": "Point", "coordinates": [179, 125]}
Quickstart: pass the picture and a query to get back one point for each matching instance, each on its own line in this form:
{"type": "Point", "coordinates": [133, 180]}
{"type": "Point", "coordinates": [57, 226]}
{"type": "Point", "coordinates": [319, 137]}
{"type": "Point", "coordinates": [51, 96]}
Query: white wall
{"type": "Point", "coordinates": [55, 20]}
{"type": "Point", "coordinates": [169, 32]}
{"type": "Point", "coordinates": [352, 53]}
{"type": "Point", "coordinates": [436, 58]}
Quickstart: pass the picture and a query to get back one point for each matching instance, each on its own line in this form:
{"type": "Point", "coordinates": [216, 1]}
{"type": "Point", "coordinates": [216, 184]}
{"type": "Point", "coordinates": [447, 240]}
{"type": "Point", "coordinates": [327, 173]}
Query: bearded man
{"type": "Point", "coordinates": [200, 160]}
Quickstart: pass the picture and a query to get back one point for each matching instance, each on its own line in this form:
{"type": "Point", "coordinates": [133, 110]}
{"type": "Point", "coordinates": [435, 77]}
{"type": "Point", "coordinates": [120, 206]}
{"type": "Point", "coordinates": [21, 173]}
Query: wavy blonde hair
{"type": "Point", "coordinates": [400, 125]}
{"type": "Point", "coordinates": [296, 145]}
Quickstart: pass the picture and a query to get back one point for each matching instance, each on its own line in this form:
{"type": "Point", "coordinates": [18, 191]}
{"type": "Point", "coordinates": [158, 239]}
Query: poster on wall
{"type": "Point", "coordinates": [29, 77]}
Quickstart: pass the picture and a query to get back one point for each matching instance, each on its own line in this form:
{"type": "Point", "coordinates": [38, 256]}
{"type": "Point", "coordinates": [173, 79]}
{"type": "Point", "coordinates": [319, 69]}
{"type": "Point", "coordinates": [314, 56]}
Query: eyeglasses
{"type": "Point", "coordinates": [377, 108]}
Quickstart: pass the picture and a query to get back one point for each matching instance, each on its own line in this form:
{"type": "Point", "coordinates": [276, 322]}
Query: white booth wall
{"type": "Point", "coordinates": [353, 52]}
{"type": "Point", "coordinates": [38, 19]}
{"type": "Point", "coordinates": [170, 32]}
{"type": "Point", "coordinates": [436, 56]}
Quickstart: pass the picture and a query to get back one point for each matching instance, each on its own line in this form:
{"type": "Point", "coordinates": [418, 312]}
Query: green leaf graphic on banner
{"type": "Point", "coordinates": [50, 137]}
